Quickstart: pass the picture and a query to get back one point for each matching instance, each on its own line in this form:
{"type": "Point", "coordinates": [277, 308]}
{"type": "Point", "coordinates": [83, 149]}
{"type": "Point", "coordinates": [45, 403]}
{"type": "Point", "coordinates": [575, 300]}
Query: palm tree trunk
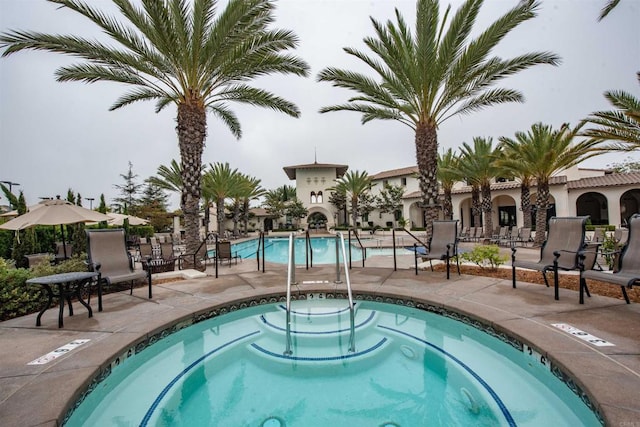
{"type": "Point", "coordinates": [426, 141]}
{"type": "Point", "coordinates": [447, 205]}
{"type": "Point", "coordinates": [475, 205]}
{"type": "Point", "coordinates": [192, 130]}
{"type": "Point", "coordinates": [542, 204]}
{"type": "Point", "coordinates": [525, 201]}
{"type": "Point", "coordinates": [220, 216]}
{"type": "Point", "coordinates": [236, 217]}
{"type": "Point", "coordinates": [245, 216]}
{"type": "Point", "coordinates": [486, 210]}
{"type": "Point", "coordinates": [354, 211]}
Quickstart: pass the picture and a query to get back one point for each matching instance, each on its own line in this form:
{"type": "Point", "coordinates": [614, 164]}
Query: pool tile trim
{"type": "Point", "coordinates": [277, 297]}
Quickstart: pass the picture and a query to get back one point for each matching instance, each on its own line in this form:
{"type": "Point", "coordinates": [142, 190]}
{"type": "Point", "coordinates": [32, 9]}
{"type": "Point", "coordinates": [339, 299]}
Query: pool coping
{"type": "Point", "coordinates": [467, 298]}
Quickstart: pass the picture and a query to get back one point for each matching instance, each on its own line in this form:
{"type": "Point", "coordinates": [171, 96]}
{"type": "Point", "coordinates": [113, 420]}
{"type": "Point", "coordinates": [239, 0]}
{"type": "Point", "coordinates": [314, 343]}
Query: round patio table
{"type": "Point", "coordinates": [69, 284]}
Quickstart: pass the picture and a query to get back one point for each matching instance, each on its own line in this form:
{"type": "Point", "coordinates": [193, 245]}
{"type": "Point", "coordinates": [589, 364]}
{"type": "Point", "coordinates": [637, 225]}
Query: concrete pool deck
{"type": "Point", "coordinates": [39, 395]}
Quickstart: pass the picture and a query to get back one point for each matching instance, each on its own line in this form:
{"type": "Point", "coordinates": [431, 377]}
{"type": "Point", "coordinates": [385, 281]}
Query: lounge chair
{"type": "Point", "coordinates": [628, 272]}
{"type": "Point", "coordinates": [224, 252]}
{"type": "Point", "coordinates": [108, 255]}
{"type": "Point", "coordinates": [443, 244]}
{"type": "Point", "coordinates": [565, 239]}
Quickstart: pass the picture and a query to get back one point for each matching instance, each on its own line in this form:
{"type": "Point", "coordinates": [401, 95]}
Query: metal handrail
{"type": "Point", "coordinates": [308, 249]}
{"type": "Point", "coordinates": [362, 248]}
{"type": "Point", "coordinates": [352, 337]}
{"type": "Point", "coordinates": [260, 248]}
{"type": "Point", "coordinates": [290, 281]}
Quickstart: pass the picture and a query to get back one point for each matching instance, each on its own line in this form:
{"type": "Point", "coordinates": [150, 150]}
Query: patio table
{"type": "Point", "coordinates": [69, 284]}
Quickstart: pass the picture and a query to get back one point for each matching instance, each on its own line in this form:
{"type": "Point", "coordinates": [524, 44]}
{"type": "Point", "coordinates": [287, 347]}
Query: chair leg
{"type": "Point", "coordinates": [149, 280]}
{"type": "Point", "coordinates": [624, 293]}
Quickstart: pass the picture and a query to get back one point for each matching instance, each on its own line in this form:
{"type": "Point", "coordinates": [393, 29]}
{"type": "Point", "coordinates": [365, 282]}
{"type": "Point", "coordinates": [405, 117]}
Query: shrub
{"type": "Point", "coordinates": [16, 297]}
{"type": "Point", "coordinates": [485, 256]}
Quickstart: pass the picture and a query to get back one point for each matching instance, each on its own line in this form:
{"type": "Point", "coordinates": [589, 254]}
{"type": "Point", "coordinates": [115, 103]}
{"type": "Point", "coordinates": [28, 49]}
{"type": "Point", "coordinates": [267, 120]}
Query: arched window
{"type": "Point", "coordinates": [313, 197]}
{"type": "Point", "coordinates": [319, 199]}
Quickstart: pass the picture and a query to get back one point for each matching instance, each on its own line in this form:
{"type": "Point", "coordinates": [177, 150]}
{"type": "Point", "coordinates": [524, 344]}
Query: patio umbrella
{"type": "Point", "coordinates": [54, 212]}
{"type": "Point", "coordinates": [118, 219]}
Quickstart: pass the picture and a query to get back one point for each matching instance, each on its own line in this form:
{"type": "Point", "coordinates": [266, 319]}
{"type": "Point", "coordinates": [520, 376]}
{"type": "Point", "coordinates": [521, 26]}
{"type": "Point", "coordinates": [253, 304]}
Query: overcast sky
{"type": "Point", "coordinates": [55, 136]}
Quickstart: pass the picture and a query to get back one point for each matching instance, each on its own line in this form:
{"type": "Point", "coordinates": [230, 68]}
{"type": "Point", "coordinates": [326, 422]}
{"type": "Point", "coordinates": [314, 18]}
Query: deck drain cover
{"type": "Point", "coordinates": [273, 422]}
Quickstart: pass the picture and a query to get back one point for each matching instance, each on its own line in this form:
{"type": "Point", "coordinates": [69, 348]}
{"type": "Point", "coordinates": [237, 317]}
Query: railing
{"type": "Point", "coordinates": [415, 249]}
{"type": "Point", "coordinates": [308, 249]}
{"type": "Point", "coordinates": [362, 248]}
{"type": "Point", "coordinates": [291, 280]}
{"type": "Point", "coordinates": [260, 250]}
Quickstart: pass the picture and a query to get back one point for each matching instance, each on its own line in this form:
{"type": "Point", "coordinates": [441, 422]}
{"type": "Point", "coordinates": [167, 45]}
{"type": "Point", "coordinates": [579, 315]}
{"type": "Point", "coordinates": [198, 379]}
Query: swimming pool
{"type": "Point", "coordinates": [410, 367]}
{"type": "Point", "coordinates": [323, 248]}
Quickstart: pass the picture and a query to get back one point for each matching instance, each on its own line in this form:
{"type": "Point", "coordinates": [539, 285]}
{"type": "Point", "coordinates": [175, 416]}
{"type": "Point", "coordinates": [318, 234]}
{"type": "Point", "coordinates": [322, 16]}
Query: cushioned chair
{"type": "Point", "coordinates": [628, 271]}
{"type": "Point", "coordinates": [443, 244]}
{"type": "Point", "coordinates": [565, 240]}
{"type": "Point", "coordinates": [108, 255]}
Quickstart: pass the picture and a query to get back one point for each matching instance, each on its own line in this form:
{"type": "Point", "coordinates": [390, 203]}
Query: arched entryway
{"type": "Point", "coordinates": [595, 206]}
{"type": "Point", "coordinates": [268, 224]}
{"type": "Point", "coordinates": [629, 205]}
{"type": "Point", "coordinates": [317, 221]}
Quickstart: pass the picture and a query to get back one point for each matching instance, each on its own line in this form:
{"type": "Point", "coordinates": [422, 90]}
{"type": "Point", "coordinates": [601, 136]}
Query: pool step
{"type": "Point", "coordinates": [318, 332]}
{"type": "Point", "coordinates": [368, 347]}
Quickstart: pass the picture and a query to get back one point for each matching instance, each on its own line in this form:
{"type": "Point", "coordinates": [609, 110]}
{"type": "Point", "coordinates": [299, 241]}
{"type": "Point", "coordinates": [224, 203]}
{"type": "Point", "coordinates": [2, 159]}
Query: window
{"type": "Point", "coordinates": [319, 198]}
{"type": "Point", "coordinates": [314, 198]}
{"type": "Point", "coordinates": [403, 182]}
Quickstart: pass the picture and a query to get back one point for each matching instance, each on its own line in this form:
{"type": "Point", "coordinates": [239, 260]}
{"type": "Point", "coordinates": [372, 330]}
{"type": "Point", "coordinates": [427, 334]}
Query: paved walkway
{"type": "Point", "coordinates": [35, 395]}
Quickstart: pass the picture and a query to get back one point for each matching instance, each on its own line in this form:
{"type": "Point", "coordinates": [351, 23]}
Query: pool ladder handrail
{"type": "Point", "coordinates": [291, 281]}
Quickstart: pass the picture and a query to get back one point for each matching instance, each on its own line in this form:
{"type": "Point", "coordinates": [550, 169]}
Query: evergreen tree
{"type": "Point", "coordinates": [390, 200]}
{"type": "Point", "coordinates": [128, 200]}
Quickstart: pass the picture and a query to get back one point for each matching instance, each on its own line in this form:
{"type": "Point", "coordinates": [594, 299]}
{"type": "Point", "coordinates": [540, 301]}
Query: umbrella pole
{"type": "Point", "coordinates": [64, 245]}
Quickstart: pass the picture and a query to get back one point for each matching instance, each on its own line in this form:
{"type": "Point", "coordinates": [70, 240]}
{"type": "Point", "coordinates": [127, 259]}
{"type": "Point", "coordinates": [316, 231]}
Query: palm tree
{"type": "Point", "coordinates": [353, 184]}
{"type": "Point", "coordinates": [478, 164]}
{"type": "Point", "coordinates": [545, 152]}
{"type": "Point", "coordinates": [622, 125]}
{"type": "Point", "coordinates": [432, 75]}
{"type": "Point", "coordinates": [218, 183]}
{"type": "Point", "coordinates": [448, 175]}
{"type": "Point", "coordinates": [511, 164]}
{"type": "Point", "coordinates": [169, 177]}
{"type": "Point", "coordinates": [249, 189]}
{"type": "Point", "coordinates": [182, 53]}
{"type": "Point", "coordinates": [611, 4]}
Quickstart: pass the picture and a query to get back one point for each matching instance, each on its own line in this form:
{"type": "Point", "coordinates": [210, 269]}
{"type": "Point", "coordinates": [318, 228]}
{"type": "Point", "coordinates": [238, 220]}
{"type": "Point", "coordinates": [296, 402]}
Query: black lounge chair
{"type": "Point", "coordinates": [627, 273]}
{"type": "Point", "coordinates": [443, 244]}
{"type": "Point", "coordinates": [565, 240]}
{"type": "Point", "coordinates": [108, 255]}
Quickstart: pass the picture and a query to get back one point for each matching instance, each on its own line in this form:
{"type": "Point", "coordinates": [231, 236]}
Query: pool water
{"type": "Point", "coordinates": [323, 248]}
{"type": "Point", "coordinates": [410, 368]}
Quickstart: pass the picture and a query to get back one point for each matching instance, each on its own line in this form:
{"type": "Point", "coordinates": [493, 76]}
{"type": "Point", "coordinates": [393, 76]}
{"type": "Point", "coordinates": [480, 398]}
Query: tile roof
{"type": "Point", "coordinates": [608, 180]}
{"type": "Point", "coordinates": [555, 180]}
{"type": "Point", "coordinates": [396, 172]}
{"type": "Point", "coordinates": [291, 170]}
